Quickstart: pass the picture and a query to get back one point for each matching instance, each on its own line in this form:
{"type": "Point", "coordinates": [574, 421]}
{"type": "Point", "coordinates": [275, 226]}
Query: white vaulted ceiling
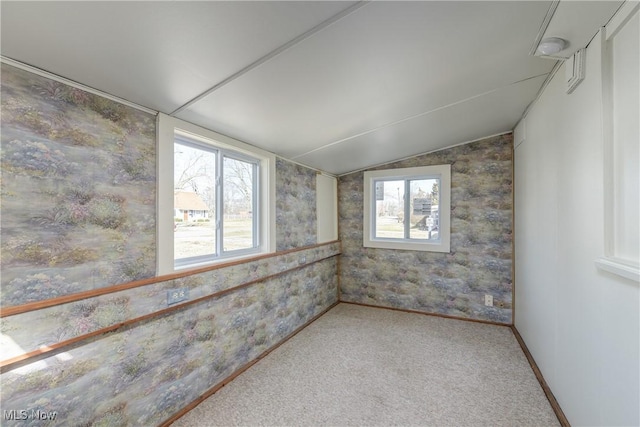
{"type": "Point", "coordinates": [338, 86]}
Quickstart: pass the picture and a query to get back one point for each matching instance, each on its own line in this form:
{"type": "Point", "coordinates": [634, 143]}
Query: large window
{"type": "Point", "coordinates": [408, 208]}
{"type": "Point", "coordinates": [213, 195]}
{"type": "Point", "coordinates": [215, 200]}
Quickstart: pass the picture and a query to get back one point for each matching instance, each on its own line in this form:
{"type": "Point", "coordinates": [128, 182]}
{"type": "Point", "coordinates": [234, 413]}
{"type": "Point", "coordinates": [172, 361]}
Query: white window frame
{"type": "Point", "coordinates": [441, 172]}
{"type": "Point", "coordinates": [218, 252]}
{"type": "Point", "coordinates": [265, 227]}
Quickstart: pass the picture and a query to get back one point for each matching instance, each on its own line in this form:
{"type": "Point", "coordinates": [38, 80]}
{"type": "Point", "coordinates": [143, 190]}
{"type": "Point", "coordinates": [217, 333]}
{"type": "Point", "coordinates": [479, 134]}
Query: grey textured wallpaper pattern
{"type": "Point", "coordinates": [296, 221]}
{"type": "Point", "coordinates": [480, 261]}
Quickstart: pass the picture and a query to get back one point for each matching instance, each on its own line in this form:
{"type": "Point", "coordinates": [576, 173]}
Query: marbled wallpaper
{"type": "Point", "coordinates": [143, 374]}
{"type": "Point", "coordinates": [78, 213]}
{"type": "Point", "coordinates": [49, 326]}
{"type": "Point", "coordinates": [480, 261]}
{"type": "Point", "coordinates": [296, 220]}
{"type": "Point", "coordinates": [78, 190]}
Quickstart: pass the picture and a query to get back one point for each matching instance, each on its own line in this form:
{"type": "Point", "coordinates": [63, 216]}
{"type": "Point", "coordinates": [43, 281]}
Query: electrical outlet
{"type": "Point", "coordinates": [177, 295]}
{"type": "Point", "coordinates": [488, 300]}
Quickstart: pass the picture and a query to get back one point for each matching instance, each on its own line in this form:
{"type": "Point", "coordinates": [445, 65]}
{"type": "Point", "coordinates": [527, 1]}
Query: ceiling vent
{"type": "Point", "coordinates": [574, 69]}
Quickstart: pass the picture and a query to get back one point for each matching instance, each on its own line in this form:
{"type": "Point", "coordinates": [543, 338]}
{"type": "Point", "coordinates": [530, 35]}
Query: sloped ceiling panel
{"type": "Point", "coordinates": [577, 22]}
{"type": "Point", "coordinates": [156, 54]}
{"type": "Point", "coordinates": [486, 115]}
{"type": "Point", "coordinates": [384, 63]}
{"type": "Point", "coordinates": [381, 73]}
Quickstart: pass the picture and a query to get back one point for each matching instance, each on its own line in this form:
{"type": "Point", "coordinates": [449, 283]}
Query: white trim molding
{"type": "Point", "coordinates": [620, 83]}
{"type": "Point", "coordinates": [619, 267]}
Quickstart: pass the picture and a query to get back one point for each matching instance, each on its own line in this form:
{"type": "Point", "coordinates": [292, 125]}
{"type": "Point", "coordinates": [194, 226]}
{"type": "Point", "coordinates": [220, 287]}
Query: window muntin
{"type": "Point", "coordinates": [216, 211]}
{"type": "Point", "coordinates": [408, 208]}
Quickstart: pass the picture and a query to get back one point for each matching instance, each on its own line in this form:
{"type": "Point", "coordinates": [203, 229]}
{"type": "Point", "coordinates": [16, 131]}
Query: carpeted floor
{"type": "Point", "coordinates": [362, 366]}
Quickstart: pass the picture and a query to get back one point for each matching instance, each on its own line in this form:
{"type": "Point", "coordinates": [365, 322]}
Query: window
{"type": "Point", "coordinates": [213, 197]}
{"type": "Point", "coordinates": [215, 201]}
{"type": "Point", "coordinates": [408, 208]}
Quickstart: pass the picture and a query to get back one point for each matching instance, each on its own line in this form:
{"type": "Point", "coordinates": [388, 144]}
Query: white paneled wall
{"type": "Point", "coordinates": [581, 324]}
{"type": "Point", "coordinates": [327, 207]}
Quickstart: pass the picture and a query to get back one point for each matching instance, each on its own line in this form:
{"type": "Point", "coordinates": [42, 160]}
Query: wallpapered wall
{"type": "Point", "coordinates": [481, 236]}
{"type": "Point", "coordinates": [78, 213]}
{"type": "Point", "coordinates": [77, 193]}
{"type": "Point", "coordinates": [295, 205]}
{"type": "Point", "coordinates": [144, 374]}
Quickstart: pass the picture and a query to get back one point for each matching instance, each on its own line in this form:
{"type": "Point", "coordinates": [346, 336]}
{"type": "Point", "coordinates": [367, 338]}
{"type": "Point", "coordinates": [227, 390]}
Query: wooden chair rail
{"type": "Point", "coordinates": [38, 305]}
{"type": "Point", "coordinates": [51, 350]}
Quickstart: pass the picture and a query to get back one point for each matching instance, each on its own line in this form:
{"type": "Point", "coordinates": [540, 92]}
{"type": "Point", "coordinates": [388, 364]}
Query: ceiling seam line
{"type": "Point", "coordinates": [543, 28]}
{"type": "Point", "coordinates": [545, 83]}
{"type": "Point", "coordinates": [416, 116]}
{"type": "Point", "coordinates": [269, 56]}
{"type": "Point", "coordinates": [448, 147]}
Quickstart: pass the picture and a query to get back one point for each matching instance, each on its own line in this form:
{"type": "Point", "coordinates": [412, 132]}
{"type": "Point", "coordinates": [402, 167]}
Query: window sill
{"type": "Point", "coordinates": [405, 245]}
{"type": "Point", "coordinates": [214, 263]}
{"type": "Point", "coordinates": [620, 268]}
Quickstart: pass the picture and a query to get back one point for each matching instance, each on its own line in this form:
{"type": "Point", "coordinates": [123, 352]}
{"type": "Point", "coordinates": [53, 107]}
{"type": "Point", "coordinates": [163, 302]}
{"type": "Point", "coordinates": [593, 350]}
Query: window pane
{"type": "Point", "coordinates": [424, 208]}
{"type": "Point", "coordinates": [238, 223]}
{"type": "Point", "coordinates": [194, 202]}
{"type": "Point", "coordinates": [389, 218]}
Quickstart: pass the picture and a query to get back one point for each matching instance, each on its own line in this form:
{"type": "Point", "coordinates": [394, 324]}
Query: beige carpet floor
{"type": "Point", "coordinates": [361, 366]}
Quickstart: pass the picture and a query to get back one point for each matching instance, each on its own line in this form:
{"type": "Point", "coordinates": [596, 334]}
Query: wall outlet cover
{"type": "Point", "coordinates": [175, 296]}
{"type": "Point", "coordinates": [488, 300]}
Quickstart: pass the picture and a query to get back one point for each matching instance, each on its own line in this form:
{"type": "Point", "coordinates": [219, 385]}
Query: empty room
{"type": "Point", "coordinates": [320, 213]}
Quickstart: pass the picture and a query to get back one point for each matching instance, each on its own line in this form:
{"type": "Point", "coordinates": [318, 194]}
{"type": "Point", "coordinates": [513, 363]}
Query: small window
{"type": "Point", "coordinates": [408, 208]}
{"type": "Point", "coordinates": [215, 197]}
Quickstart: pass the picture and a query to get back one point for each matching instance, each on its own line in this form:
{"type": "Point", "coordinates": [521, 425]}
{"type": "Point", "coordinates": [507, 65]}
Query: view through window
{"type": "Point", "coordinates": [215, 202]}
{"type": "Point", "coordinates": [407, 209]}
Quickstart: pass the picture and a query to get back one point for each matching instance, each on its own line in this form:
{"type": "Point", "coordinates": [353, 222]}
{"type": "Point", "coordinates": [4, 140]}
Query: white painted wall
{"type": "Point", "coordinates": [625, 133]}
{"type": "Point", "coordinates": [580, 323]}
{"type": "Point", "coordinates": [327, 208]}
